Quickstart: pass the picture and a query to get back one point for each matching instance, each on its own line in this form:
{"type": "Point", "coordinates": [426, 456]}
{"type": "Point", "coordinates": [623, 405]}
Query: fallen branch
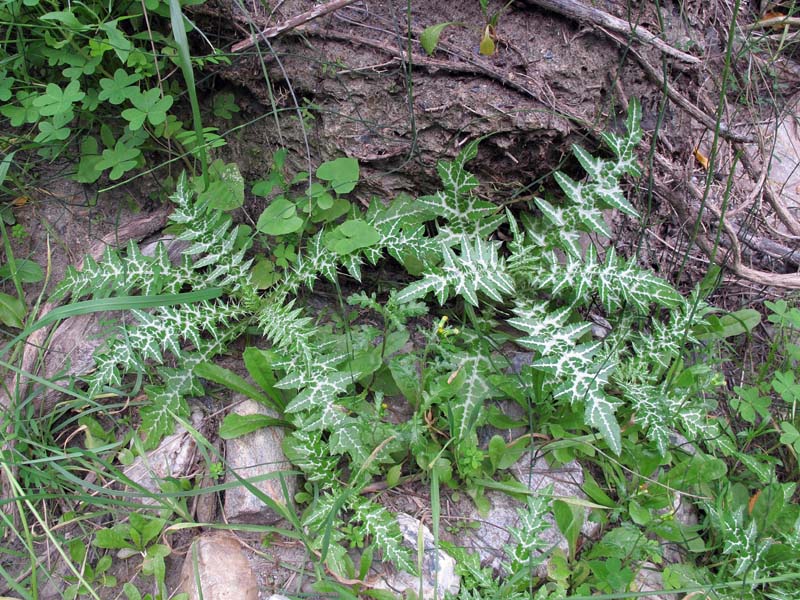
{"type": "Point", "coordinates": [731, 260]}
{"type": "Point", "coordinates": [701, 117]}
{"type": "Point", "coordinates": [573, 9]}
{"type": "Point", "coordinates": [296, 21]}
{"type": "Point", "coordinates": [786, 217]}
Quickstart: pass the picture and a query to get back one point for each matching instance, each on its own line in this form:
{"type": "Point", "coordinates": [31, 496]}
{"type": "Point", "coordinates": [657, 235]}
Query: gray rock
{"type": "Point", "coordinates": [438, 575]}
{"type": "Point", "coordinates": [175, 457]}
{"type": "Point", "coordinates": [648, 579]}
{"type": "Point", "coordinates": [216, 568]}
{"type": "Point", "coordinates": [254, 456]}
{"type": "Point", "coordinates": [493, 532]}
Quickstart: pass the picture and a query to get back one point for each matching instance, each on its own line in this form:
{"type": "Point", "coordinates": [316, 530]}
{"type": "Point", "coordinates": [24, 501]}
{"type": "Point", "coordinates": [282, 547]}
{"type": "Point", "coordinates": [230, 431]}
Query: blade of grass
{"type": "Point", "coordinates": [185, 60]}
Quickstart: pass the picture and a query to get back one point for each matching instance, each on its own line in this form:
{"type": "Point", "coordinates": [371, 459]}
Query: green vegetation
{"type": "Point", "coordinates": [402, 381]}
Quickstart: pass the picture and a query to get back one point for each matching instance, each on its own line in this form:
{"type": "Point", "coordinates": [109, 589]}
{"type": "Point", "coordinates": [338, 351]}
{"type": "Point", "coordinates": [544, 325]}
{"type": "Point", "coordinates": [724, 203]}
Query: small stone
{"type": "Point", "coordinates": [649, 579]}
{"type": "Point", "coordinates": [218, 564]}
{"type": "Point", "coordinates": [254, 456]}
{"type": "Point", "coordinates": [438, 568]}
{"type": "Point", "coordinates": [174, 457]}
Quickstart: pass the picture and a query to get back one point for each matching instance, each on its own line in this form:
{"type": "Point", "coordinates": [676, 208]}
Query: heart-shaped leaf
{"type": "Point", "coordinates": [279, 218]}
{"type": "Point", "coordinates": [342, 173]}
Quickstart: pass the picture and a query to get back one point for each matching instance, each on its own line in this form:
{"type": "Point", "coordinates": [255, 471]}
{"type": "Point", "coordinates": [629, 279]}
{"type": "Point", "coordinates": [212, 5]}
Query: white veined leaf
{"type": "Point", "coordinates": [320, 392]}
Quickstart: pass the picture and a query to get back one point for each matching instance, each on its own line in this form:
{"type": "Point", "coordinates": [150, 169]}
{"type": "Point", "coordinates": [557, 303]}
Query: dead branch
{"type": "Point", "coordinates": [296, 21]}
{"type": "Point", "coordinates": [791, 223]}
{"type": "Point", "coordinates": [706, 120]}
{"type": "Point", "coordinates": [731, 260]}
{"type": "Point", "coordinates": [574, 10]}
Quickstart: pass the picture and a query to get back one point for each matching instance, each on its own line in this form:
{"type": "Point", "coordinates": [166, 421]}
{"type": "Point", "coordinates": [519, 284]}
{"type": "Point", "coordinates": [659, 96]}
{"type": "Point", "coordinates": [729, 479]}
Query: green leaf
{"type": "Point", "coordinates": [6, 83]}
{"type": "Point", "coordinates": [65, 18]}
{"type": "Point", "coordinates": [226, 186]}
{"type": "Point", "coordinates": [117, 40]}
{"type": "Point", "coordinates": [232, 381]}
{"type": "Point", "coordinates": [54, 130]}
{"type": "Point", "coordinates": [131, 593]}
{"type": "Point", "coordinates": [393, 475]}
{"type": "Point", "coordinates": [235, 425]}
{"type": "Point", "coordinates": [342, 173]}
{"type": "Point", "coordinates": [487, 45]}
{"type": "Point", "coordinates": [429, 38]}
{"type": "Point", "coordinates": [790, 435]}
{"type": "Point", "coordinates": [28, 271]}
{"type": "Point", "coordinates": [259, 365]}
{"type": "Point", "coordinates": [224, 105]}
{"type": "Point", "coordinates": [350, 236]}
{"type": "Point", "coordinates": [569, 519]}
{"type": "Point", "coordinates": [148, 106]}
{"type": "Point", "coordinates": [114, 538]}
{"type": "Point", "coordinates": [88, 172]}
{"type": "Point", "coordinates": [12, 311]}
{"type": "Point", "coordinates": [121, 159]}
{"type": "Point", "coordinates": [25, 112]}
{"type": "Point", "coordinates": [120, 88]}
{"type": "Point", "coordinates": [279, 218]}
{"type": "Point", "coordinates": [56, 100]}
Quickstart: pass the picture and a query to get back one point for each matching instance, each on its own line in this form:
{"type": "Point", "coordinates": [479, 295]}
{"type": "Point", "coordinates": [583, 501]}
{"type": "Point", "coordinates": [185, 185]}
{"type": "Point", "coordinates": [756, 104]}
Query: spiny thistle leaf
{"type": "Point", "coordinates": [655, 407]}
{"type": "Point", "coordinates": [528, 533]}
{"type": "Point", "coordinates": [382, 527]}
{"type": "Point", "coordinates": [477, 268]}
{"type": "Point", "coordinates": [308, 451]}
{"type": "Point", "coordinates": [463, 211]}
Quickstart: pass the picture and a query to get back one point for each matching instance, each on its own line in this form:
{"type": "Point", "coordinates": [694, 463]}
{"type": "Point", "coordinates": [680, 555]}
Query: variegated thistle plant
{"type": "Point", "coordinates": [343, 384]}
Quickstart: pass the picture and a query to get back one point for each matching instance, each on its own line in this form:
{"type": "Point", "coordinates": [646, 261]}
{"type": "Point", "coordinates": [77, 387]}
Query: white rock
{"type": "Point", "coordinates": [175, 457]}
{"type": "Point", "coordinates": [438, 576]}
{"type": "Point", "coordinates": [648, 579]}
{"type": "Point", "coordinates": [217, 562]}
{"type": "Point", "coordinates": [251, 456]}
{"type": "Point", "coordinates": [493, 532]}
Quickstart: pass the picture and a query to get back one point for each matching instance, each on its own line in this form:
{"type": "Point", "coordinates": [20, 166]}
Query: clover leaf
{"type": "Point", "coordinates": [279, 218]}
{"type": "Point", "coordinates": [54, 130]}
{"type": "Point", "coordinates": [224, 105]}
{"type": "Point", "coordinates": [351, 236]}
{"type": "Point", "coordinates": [148, 106]}
{"type": "Point", "coordinates": [25, 113]}
{"type": "Point", "coordinates": [5, 85]}
{"type": "Point", "coordinates": [57, 101]}
{"type": "Point", "coordinates": [120, 88]}
{"type": "Point", "coordinates": [120, 159]}
{"type": "Point", "coordinates": [342, 173]}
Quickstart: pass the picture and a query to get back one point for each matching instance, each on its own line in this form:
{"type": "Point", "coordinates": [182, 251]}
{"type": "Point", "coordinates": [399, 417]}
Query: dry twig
{"type": "Point", "coordinates": [296, 21]}
{"type": "Point", "coordinates": [573, 9]}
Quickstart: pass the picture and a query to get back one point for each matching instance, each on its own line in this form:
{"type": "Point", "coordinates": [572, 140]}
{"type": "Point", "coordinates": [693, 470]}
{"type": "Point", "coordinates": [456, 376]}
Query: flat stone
{"type": "Point", "coordinates": [174, 457]}
{"type": "Point", "coordinates": [216, 568]}
{"type": "Point", "coordinates": [493, 532]}
{"type": "Point", "coordinates": [253, 456]}
{"type": "Point", "coordinates": [438, 576]}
